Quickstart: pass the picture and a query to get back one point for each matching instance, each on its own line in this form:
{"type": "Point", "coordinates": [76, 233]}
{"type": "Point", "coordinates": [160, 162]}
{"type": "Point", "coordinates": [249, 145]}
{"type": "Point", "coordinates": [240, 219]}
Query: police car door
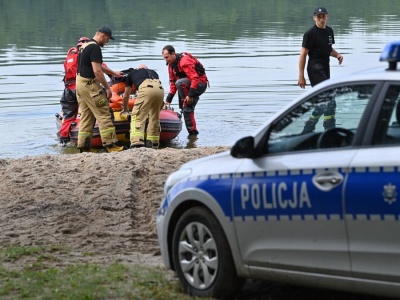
{"type": "Point", "coordinates": [372, 195]}
{"type": "Point", "coordinates": [288, 205]}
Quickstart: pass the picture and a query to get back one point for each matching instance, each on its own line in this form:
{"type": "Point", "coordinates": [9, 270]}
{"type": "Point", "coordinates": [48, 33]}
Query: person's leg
{"type": "Point", "coordinates": [317, 73]}
{"type": "Point", "coordinates": [99, 106]}
{"type": "Point", "coordinates": [183, 86]}
{"type": "Point", "coordinates": [309, 126]}
{"type": "Point", "coordinates": [140, 113]}
{"type": "Point", "coordinates": [69, 106]}
{"type": "Point", "coordinates": [329, 115]}
{"type": "Point", "coordinates": [87, 118]}
{"type": "Point", "coordinates": [94, 106]}
{"type": "Point", "coordinates": [156, 104]}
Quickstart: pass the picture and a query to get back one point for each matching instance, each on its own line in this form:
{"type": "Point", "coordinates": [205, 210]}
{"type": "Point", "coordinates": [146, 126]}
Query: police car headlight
{"type": "Point", "coordinates": [174, 178]}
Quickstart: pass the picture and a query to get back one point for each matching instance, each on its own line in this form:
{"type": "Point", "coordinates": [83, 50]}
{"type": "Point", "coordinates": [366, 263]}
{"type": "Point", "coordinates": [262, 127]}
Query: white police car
{"type": "Point", "coordinates": [310, 199]}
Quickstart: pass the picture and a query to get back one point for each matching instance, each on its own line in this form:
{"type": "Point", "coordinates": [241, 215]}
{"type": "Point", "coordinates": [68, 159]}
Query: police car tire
{"type": "Point", "coordinates": [226, 283]}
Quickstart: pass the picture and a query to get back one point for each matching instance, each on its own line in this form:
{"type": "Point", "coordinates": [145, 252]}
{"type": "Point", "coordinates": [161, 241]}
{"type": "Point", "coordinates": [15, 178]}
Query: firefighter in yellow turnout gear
{"type": "Point", "coordinates": [148, 105]}
{"type": "Point", "coordinates": [92, 98]}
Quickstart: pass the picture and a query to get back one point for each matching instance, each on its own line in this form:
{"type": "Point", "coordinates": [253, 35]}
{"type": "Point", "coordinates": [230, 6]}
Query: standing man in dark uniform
{"type": "Point", "coordinates": [92, 98]}
{"type": "Point", "coordinates": [148, 104]}
{"type": "Point", "coordinates": [317, 44]}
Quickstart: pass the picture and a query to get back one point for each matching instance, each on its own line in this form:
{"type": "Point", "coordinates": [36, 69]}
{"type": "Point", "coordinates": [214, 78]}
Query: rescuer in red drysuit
{"type": "Point", "coordinates": [187, 77]}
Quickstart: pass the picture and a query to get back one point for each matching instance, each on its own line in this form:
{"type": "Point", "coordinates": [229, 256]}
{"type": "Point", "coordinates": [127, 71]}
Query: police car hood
{"type": "Point", "coordinates": [217, 163]}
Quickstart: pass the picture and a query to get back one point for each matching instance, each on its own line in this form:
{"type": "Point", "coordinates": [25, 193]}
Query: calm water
{"type": "Point", "coordinates": [250, 51]}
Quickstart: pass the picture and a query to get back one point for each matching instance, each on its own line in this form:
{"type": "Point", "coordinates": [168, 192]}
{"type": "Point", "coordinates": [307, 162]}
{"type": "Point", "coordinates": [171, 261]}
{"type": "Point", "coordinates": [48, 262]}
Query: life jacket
{"type": "Point", "coordinates": [200, 70]}
{"type": "Point", "coordinates": [71, 67]}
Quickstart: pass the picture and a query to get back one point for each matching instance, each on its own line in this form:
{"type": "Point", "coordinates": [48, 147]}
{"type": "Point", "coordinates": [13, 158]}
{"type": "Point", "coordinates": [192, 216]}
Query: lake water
{"type": "Point", "coordinates": [249, 49]}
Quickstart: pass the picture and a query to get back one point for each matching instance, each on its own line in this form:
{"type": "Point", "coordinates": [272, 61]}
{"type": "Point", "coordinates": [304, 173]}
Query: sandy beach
{"type": "Point", "coordinates": [102, 208]}
{"type": "Point", "coordinates": [99, 203]}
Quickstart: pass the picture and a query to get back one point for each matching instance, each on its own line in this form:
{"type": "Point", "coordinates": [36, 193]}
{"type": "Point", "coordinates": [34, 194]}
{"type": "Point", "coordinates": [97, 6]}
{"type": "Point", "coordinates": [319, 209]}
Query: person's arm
{"type": "Point", "coordinates": [100, 77]}
{"type": "Point", "coordinates": [337, 55]}
{"type": "Point", "coordinates": [126, 96]}
{"type": "Point", "coordinates": [302, 64]}
{"type": "Point", "coordinates": [108, 71]}
{"type": "Point", "coordinates": [172, 87]}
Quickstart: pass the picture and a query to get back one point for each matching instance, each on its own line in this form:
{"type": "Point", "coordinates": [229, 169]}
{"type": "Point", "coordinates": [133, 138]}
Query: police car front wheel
{"type": "Point", "coordinates": [202, 257]}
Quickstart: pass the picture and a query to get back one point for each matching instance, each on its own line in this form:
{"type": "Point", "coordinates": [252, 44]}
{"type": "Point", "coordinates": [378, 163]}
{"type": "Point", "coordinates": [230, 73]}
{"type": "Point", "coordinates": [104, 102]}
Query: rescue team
{"type": "Point", "coordinates": [187, 77]}
{"type": "Point", "coordinates": [87, 87]}
{"type": "Point", "coordinates": [260, 196]}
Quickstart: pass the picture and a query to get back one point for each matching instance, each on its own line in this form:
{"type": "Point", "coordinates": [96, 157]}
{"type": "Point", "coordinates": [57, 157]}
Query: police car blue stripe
{"type": "Point", "coordinates": [319, 206]}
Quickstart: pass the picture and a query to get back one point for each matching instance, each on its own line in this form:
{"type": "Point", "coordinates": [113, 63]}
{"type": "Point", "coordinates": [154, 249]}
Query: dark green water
{"type": "Point", "coordinates": [249, 48]}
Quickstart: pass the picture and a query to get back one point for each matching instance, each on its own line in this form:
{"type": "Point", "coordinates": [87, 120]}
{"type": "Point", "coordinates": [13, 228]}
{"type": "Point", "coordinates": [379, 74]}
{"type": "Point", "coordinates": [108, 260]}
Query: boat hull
{"type": "Point", "coordinates": [170, 123]}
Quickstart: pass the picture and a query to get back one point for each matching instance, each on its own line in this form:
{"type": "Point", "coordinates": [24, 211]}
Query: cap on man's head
{"type": "Point", "coordinates": [106, 30]}
{"type": "Point", "coordinates": [320, 11]}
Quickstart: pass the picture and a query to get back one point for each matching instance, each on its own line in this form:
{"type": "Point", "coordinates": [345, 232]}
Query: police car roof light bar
{"type": "Point", "coordinates": [391, 54]}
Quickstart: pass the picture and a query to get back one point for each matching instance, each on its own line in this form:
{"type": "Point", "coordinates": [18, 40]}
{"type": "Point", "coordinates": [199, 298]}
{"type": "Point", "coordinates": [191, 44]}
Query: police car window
{"type": "Point", "coordinates": [326, 120]}
{"type": "Point", "coordinates": [387, 131]}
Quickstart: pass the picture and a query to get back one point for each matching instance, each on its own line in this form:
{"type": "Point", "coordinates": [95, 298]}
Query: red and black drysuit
{"type": "Point", "coordinates": [69, 103]}
{"type": "Point", "coordinates": [187, 77]}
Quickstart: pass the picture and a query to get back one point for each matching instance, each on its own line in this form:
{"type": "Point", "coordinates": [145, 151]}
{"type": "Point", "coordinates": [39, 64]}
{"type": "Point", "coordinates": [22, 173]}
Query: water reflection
{"type": "Point", "coordinates": [250, 53]}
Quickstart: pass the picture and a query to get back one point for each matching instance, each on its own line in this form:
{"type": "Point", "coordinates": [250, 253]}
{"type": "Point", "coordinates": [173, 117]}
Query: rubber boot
{"type": "Point", "coordinates": [137, 145]}
{"type": "Point", "coordinates": [64, 141]}
{"type": "Point", "coordinates": [329, 123]}
{"type": "Point", "coordinates": [150, 144]}
{"type": "Point", "coordinates": [309, 126]}
{"type": "Point", "coordinates": [82, 150]}
{"type": "Point", "coordinates": [113, 148]}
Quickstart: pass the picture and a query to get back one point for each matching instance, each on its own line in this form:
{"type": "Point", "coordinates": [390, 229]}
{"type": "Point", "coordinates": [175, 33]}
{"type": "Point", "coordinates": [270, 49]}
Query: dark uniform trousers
{"type": "Point", "coordinates": [318, 71]}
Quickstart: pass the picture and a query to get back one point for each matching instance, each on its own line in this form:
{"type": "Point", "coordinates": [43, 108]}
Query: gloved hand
{"type": "Point", "coordinates": [124, 112]}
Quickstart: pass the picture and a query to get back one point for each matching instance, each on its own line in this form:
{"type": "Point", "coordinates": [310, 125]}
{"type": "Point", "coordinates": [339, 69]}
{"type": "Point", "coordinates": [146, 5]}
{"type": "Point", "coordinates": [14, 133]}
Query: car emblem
{"type": "Point", "coordinates": [389, 192]}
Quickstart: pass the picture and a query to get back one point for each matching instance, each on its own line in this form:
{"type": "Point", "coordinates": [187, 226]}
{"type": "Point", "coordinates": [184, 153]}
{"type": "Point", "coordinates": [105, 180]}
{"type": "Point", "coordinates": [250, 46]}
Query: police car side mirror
{"type": "Point", "coordinates": [244, 148]}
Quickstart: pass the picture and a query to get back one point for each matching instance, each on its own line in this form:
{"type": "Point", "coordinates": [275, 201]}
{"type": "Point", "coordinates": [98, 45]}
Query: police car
{"type": "Point", "coordinates": [310, 199]}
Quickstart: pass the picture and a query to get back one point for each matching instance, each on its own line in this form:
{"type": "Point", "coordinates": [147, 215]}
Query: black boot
{"type": "Point", "coordinates": [64, 141]}
{"type": "Point", "coordinates": [309, 126]}
{"type": "Point", "coordinates": [329, 123]}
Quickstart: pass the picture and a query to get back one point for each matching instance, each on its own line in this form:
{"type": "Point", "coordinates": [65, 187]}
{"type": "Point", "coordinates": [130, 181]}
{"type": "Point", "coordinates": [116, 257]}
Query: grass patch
{"type": "Point", "coordinates": [37, 279]}
{"type": "Point", "coordinates": [15, 252]}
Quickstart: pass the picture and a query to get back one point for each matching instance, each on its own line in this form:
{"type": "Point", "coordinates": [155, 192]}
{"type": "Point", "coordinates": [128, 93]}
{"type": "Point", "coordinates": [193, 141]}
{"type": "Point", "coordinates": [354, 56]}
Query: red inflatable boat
{"type": "Point", "coordinates": [170, 121]}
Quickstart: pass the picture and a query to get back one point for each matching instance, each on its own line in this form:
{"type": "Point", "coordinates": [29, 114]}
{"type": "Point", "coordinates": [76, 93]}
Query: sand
{"type": "Point", "coordinates": [101, 207]}
{"type": "Point", "coordinates": [104, 204]}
